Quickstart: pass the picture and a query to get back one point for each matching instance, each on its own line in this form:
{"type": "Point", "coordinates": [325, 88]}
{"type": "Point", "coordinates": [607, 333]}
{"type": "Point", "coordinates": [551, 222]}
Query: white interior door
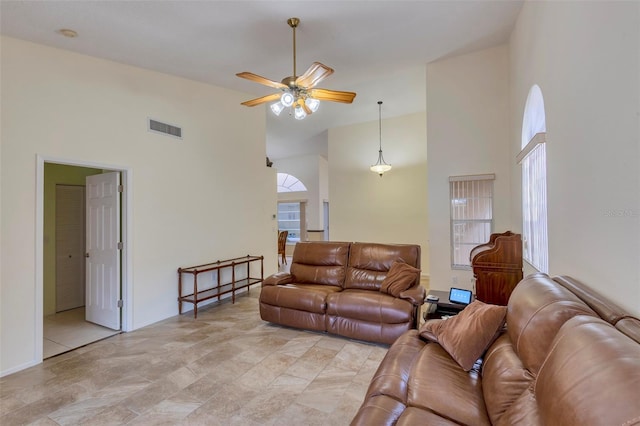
{"type": "Point", "coordinates": [102, 250]}
{"type": "Point", "coordinates": [70, 241]}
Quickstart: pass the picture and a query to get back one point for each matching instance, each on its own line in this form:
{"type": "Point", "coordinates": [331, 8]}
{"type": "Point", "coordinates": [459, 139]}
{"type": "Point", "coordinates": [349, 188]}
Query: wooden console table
{"type": "Point", "coordinates": [237, 275]}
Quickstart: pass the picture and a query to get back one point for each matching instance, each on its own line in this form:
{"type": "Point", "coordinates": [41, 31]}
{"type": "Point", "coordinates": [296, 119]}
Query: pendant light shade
{"type": "Point", "coordinates": [381, 167]}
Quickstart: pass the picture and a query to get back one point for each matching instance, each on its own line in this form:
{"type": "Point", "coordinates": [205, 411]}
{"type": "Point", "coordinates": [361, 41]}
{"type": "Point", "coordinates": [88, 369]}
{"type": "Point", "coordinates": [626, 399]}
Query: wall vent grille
{"type": "Point", "coordinates": [165, 129]}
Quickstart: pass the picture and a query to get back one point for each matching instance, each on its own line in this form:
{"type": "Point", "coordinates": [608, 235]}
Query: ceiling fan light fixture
{"type": "Point", "coordinates": [299, 113]}
{"type": "Point", "coordinates": [312, 104]}
{"type": "Point", "coordinates": [287, 99]}
{"type": "Point", "coordinates": [277, 108]}
{"type": "Point", "coordinates": [299, 92]}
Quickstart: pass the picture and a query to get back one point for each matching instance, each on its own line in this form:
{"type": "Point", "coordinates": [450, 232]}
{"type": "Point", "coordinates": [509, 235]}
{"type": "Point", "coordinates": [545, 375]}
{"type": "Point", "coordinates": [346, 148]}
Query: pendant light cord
{"type": "Point", "coordinates": [380, 122]}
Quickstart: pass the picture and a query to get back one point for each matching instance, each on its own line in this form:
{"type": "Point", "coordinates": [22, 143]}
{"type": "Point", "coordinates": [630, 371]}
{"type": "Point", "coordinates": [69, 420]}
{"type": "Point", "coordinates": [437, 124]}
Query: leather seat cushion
{"type": "Point", "coordinates": [370, 306]}
{"type": "Point", "coordinates": [438, 384]}
{"type": "Point", "coordinates": [393, 372]}
{"type": "Point", "coordinates": [303, 297]}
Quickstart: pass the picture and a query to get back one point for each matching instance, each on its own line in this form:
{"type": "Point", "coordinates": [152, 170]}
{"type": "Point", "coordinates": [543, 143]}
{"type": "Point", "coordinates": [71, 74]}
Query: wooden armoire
{"type": "Point", "coordinates": [497, 267]}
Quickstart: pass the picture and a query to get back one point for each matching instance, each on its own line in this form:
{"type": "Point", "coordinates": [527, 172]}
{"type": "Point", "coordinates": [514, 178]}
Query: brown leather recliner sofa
{"type": "Point", "coordinates": [335, 287]}
{"type": "Point", "coordinates": [568, 357]}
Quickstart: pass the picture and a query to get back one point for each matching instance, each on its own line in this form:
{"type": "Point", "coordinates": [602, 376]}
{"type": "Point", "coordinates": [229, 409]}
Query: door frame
{"type": "Point", "coordinates": [127, 233]}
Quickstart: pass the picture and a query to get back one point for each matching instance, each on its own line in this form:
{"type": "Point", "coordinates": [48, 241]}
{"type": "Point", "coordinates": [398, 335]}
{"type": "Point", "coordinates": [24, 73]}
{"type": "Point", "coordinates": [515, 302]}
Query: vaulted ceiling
{"type": "Point", "coordinates": [378, 48]}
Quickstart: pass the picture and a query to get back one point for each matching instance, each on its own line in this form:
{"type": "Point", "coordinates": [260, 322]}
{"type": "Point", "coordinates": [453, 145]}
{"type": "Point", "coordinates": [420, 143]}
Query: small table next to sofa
{"type": "Point", "coordinates": [442, 307]}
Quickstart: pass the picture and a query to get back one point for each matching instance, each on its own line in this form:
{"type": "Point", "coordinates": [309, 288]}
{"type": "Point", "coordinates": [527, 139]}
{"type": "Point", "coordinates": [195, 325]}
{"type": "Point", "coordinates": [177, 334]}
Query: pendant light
{"type": "Point", "coordinates": [381, 166]}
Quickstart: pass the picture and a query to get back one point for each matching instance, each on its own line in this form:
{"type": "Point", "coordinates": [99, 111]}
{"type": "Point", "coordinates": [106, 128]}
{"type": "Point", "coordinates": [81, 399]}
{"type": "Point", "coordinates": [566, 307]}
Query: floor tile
{"type": "Point", "coordinates": [228, 367]}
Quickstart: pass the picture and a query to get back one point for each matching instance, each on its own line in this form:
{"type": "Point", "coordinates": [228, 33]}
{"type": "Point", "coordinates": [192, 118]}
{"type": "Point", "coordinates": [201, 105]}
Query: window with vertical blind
{"type": "Point", "coordinates": [533, 159]}
{"type": "Point", "coordinates": [471, 203]}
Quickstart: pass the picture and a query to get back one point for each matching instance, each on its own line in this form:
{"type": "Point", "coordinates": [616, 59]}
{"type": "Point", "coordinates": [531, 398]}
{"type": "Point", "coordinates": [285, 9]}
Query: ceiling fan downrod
{"type": "Point", "coordinates": [293, 23]}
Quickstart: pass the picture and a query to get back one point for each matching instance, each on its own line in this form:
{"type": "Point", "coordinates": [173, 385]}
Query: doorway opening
{"type": "Point", "coordinates": [61, 256]}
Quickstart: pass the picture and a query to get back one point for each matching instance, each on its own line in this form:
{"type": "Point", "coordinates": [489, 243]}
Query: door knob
{"type": "Point", "coordinates": [85, 255]}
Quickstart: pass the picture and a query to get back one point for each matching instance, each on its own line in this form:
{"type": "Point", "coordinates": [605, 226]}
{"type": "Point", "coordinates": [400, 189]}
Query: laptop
{"type": "Point", "coordinates": [460, 296]}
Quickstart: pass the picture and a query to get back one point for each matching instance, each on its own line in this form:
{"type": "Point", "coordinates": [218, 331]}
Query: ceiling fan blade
{"type": "Point", "coordinates": [262, 100]}
{"type": "Point", "coordinates": [304, 106]}
{"type": "Point", "coordinates": [332, 95]}
{"type": "Point", "coordinates": [262, 80]}
{"type": "Point", "coordinates": [314, 75]}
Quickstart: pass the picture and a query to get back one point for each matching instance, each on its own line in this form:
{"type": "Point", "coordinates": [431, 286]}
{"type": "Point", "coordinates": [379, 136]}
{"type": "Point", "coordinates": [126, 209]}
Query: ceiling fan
{"type": "Point", "coordinates": [298, 92]}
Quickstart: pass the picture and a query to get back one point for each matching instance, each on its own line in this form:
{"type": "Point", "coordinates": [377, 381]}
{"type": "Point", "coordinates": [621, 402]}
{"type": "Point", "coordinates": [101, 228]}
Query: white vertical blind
{"type": "Point", "coordinates": [533, 159]}
{"type": "Point", "coordinates": [534, 206]}
{"type": "Point", "coordinates": [471, 199]}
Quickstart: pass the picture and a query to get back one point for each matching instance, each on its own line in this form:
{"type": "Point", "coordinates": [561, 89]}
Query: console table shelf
{"type": "Point", "coordinates": [237, 273]}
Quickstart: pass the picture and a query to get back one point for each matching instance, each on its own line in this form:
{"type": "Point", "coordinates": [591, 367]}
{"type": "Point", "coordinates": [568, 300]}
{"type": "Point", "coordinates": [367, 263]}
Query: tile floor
{"type": "Point", "coordinates": [68, 330]}
{"type": "Point", "coordinates": [228, 367]}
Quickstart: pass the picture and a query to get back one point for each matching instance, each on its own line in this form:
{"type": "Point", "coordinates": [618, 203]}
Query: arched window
{"type": "Point", "coordinates": [533, 159]}
{"type": "Point", "coordinates": [289, 183]}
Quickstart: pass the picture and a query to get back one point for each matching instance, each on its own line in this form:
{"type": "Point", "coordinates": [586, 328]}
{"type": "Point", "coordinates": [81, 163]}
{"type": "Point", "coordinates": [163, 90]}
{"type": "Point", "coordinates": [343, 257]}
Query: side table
{"type": "Point", "coordinates": [443, 307]}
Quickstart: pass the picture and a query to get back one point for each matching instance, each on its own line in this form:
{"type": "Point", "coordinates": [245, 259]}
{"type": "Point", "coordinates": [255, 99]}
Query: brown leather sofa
{"type": "Point", "coordinates": [335, 287]}
{"type": "Point", "coordinates": [568, 357]}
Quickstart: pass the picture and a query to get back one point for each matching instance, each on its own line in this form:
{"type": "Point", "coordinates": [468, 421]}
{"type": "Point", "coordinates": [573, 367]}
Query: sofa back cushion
{"type": "Point", "coordinates": [370, 262]}
{"type": "Point", "coordinates": [630, 326]}
{"type": "Point", "coordinates": [590, 377]}
{"type": "Point", "coordinates": [320, 262]}
{"type": "Point", "coordinates": [606, 309]}
{"type": "Point", "coordinates": [537, 309]}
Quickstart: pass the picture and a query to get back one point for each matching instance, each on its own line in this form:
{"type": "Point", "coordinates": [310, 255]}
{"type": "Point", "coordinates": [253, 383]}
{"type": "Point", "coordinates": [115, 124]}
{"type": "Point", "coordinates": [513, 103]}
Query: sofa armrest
{"type": "Point", "coordinates": [278, 278]}
{"type": "Point", "coordinates": [415, 295]}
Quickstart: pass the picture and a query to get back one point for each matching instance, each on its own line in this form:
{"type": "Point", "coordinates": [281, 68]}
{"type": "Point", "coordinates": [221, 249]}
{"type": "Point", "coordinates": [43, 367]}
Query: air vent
{"type": "Point", "coordinates": [166, 129]}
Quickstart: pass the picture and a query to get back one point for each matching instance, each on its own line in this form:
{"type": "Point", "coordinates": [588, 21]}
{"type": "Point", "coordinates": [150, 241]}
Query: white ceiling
{"type": "Point", "coordinates": [378, 48]}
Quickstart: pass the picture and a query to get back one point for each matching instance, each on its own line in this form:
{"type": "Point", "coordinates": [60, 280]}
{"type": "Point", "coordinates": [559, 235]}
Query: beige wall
{"type": "Point", "coordinates": [585, 58]}
{"type": "Point", "coordinates": [208, 196]}
{"type": "Point", "coordinates": [55, 174]}
{"type": "Point", "coordinates": [467, 134]}
{"type": "Point", "coordinates": [365, 207]}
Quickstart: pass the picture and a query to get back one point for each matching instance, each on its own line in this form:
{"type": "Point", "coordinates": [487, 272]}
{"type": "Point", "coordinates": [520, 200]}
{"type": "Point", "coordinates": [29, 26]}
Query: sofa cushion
{"type": "Point", "coordinates": [537, 309]}
{"type": "Point", "coordinates": [320, 262]}
{"type": "Point", "coordinates": [371, 306]}
{"type": "Point", "coordinates": [467, 335]}
{"type": "Point", "coordinates": [438, 384]}
{"type": "Point", "coordinates": [379, 409]}
{"type": "Point", "coordinates": [630, 326]}
{"type": "Point", "coordinates": [392, 374]}
{"type": "Point", "coordinates": [293, 317]}
{"type": "Point", "coordinates": [606, 309]}
{"type": "Point", "coordinates": [400, 277]}
{"type": "Point", "coordinates": [523, 411]}
{"type": "Point", "coordinates": [303, 297]}
{"type": "Point", "coordinates": [370, 262]}
{"type": "Point", "coordinates": [416, 416]}
{"type": "Point", "coordinates": [593, 369]}
{"type": "Point", "coordinates": [504, 378]}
